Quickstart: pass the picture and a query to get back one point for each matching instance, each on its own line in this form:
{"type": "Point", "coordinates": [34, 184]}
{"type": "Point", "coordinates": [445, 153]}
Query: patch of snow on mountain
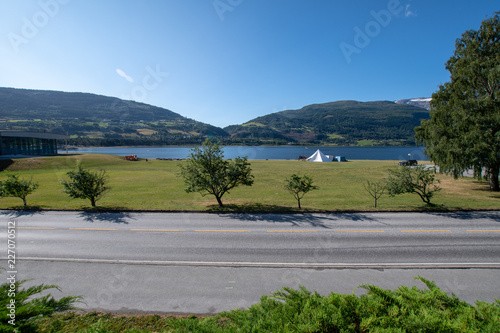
{"type": "Point", "coordinates": [422, 102]}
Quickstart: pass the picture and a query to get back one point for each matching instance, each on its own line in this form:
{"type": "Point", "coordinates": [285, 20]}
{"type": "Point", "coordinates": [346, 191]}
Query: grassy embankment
{"type": "Point", "coordinates": [156, 185]}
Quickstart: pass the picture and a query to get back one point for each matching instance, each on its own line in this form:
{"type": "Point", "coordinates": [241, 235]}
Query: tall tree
{"type": "Point", "coordinates": [464, 129]}
{"type": "Point", "coordinates": [207, 172]}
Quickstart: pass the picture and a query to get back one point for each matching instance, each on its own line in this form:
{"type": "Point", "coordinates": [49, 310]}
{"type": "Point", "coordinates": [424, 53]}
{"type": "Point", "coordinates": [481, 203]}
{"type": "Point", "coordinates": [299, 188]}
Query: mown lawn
{"type": "Point", "coordinates": [156, 185]}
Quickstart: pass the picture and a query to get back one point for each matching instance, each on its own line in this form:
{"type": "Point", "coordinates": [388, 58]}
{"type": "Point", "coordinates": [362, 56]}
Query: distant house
{"type": "Point", "coordinates": [29, 143]}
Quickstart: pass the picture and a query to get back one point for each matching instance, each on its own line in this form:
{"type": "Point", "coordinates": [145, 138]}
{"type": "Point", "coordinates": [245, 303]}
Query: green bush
{"type": "Point", "coordinates": [379, 310]}
{"type": "Point", "coordinates": [289, 310]}
{"type": "Point", "coordinates": [20, 306]}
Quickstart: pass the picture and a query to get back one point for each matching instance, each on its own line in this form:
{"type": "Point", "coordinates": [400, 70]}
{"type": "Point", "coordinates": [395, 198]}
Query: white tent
{"type": "Point", "coordinates": [318, 156]}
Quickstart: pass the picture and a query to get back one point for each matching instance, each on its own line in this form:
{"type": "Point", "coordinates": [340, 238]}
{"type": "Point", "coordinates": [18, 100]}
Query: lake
{"type": "Point", "coordinates": [268, 152]}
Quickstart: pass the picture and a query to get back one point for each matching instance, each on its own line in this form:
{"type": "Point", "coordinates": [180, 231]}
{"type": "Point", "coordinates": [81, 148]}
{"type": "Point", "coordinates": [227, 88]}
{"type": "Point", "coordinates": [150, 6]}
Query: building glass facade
{"type": "Point", "coordinates": [26, 143]}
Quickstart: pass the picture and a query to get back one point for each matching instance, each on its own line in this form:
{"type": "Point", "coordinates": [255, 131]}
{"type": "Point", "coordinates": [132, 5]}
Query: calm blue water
{"type": "Point", "coordinates": [271, 153]}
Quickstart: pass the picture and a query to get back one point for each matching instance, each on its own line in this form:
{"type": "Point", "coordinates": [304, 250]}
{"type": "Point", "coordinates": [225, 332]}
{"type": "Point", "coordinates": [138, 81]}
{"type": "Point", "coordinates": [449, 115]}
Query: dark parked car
{"type": "Point", "coordinates": [408, 163]}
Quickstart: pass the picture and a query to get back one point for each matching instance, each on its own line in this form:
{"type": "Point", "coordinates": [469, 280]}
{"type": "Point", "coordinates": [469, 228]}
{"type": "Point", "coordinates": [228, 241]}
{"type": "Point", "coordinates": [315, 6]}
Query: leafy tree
{"type": "Point", "coordinates": [298, 186]}
{"type": "Point", "coordinates": [418, 180]}
{"type": "Point", "coordinates": [207, 172]}
{"type": "Point", "coordinates": [17, 187]}
{"type": "Point", "coordinates": [19, 306]}
{"type": "Point", "coordinates": [375, 189]}
{"type": "Point", "coordinates": [464, 129]}
{"type": "Point", "coordinates": [86, 184]}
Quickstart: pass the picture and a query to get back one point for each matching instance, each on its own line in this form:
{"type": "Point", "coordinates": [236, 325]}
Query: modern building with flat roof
{"type": "Point", "coordinates": [29, 143]}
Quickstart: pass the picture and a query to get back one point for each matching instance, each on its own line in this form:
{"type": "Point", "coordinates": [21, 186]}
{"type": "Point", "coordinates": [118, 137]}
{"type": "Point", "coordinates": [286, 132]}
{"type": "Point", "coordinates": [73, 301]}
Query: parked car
{"type": "Point", "coordinates": [408, 163]}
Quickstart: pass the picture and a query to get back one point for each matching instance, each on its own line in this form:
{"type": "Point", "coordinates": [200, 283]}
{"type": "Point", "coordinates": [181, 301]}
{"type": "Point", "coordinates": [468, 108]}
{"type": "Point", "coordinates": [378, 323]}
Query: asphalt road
{"type": "Point", "coordinates": [206, 263]}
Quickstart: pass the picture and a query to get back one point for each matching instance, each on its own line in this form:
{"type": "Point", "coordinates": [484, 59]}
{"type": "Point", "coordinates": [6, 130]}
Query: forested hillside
{"type": "Point", "coordinates": [342, 123]}
{"type": "Point", "coordinates": [95, 119]}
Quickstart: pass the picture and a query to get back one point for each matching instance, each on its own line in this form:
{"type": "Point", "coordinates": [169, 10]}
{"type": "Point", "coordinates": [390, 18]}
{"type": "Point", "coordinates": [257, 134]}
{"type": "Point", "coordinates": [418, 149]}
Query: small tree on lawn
{"type": "Point", "coordinates": [298, 186]}
{"type": "Point", "coordinates": [416, 180]}
{"type": "Point", "coordinates": [17, 187]}
{"type": "Point", "coordinates": [86, 184]}
{"type": "Point", "coordinates": [375, 189]}
{"type": "Point", "coordinates": [206, 172]}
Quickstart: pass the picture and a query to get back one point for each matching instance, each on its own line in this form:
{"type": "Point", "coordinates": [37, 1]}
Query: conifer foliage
{"type": "Point", "coordinates": [379, 310]}
{"type": "Point", "coordinates": [405, 309]}
{"type": "Point", "coordinates": [20, 306]}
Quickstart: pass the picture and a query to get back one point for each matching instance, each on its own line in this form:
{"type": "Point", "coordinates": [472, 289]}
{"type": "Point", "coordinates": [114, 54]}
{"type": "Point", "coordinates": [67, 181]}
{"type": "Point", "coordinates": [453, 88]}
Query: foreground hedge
{"type": "Point", "coordinates": [289, 310]}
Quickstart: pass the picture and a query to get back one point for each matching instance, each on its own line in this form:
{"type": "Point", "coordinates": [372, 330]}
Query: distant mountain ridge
{"type": "Point", "coordinates": [95, 117]}
{"type": "Point", "coordinates": [340, 123]}
{"type": "Point", "coordinates": [48, 104]}
{"type": "Point", "coordinates": [96, 120]}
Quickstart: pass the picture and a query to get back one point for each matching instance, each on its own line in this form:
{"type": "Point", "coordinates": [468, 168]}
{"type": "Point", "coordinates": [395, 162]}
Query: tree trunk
{"type": "Point", "coordinates": [298, 202]}
{"type": "Point", "coordinates": [424, 198]}
{"type": "Point", "coordinates": [494, 186]}
{"type": "Point", "coordinates": [219, 201]}
{"type": "Point", "coordinates": [92, 202]}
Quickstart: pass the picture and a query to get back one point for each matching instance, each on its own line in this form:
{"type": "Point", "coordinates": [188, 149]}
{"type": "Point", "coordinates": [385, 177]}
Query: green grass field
{"type": "Point", "coordinates": [156, 185]}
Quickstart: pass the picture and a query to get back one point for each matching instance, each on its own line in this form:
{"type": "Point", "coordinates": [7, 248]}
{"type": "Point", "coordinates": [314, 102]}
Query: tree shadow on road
{"type": "Point", "coordinates": [13, 213]}
{"type": "Point", "coordinates": [296, 219]}
{"type": "Point", "coordinates": [472, 215]}
{"type": "Point", "coordinates": [110, 217]}
{"type": "Point", "coordinates": [249, 208]}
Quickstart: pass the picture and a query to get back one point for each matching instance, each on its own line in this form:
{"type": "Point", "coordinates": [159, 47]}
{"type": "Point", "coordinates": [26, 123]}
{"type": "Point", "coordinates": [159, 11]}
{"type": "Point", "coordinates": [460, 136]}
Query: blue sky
{"type": "Point", "coordinates": [225, 62]}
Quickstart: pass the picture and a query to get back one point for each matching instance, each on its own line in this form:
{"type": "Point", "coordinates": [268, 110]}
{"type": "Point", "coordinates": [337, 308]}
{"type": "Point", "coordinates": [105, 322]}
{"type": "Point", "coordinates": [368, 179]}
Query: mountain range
{"type": "Point", "coordinates": [101, 120]}
{"type": "Point", "coordinates": [95, 119]}
{"type": "Point", "coordinates": [339, 123]}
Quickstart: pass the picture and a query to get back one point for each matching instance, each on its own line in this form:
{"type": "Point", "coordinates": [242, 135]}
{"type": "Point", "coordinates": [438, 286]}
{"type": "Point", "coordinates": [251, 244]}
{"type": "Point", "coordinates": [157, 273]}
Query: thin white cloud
{"type": "Point", "coordinates": [409, 12]}
{"type": "Point", "coordinates": [124, 75]}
